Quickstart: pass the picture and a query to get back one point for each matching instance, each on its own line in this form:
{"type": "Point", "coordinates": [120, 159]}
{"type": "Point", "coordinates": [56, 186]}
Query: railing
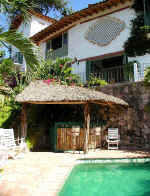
{"type": "Point", "coordinates": [112, 75]}
{"type": "Point", "coordinates": [18, 58]}
{"type": "Point", "coordinates": [61, 52]}
{"type": "Point", "coordinates": [139, 72]}
{"type": "Point", "coordinates": [117, 74]}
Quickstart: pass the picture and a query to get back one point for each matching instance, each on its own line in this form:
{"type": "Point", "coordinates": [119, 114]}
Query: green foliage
{"type": "Point", "coordinates": [25, 46]}
{"type": "Point", "coordinates": [30, 143]}
{"type": "Point", "coordinates": [147, 76]}
{"type": "Point", "coordinates": [129, 71]}
{"type": "Point", "coordinates": [94, 81]}
{"type": "Point", "coordinates": [58, 70]}
{"type": "Point", "coordinates": [6, 66]}
{"type": "Point", "coordinates": [2, 54]}
{"type": "Point", "coordinates": [138, 44]}
{"type": "Point", "coordinates": [8, 112]}
{"type": "Point", "coordinates": [14, 8]}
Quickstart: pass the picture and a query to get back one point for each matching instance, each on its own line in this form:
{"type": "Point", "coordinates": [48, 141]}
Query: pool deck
{"type": "Point", "coordinates": [43, 173]}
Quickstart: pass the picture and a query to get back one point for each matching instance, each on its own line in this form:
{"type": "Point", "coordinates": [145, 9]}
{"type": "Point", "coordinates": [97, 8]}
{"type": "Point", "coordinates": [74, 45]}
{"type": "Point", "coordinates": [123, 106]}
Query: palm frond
{"type": "Point", "coordinates": [24, 45]}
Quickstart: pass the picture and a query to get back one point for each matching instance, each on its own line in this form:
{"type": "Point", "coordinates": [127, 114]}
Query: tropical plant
{"type": "Point", "coordinates": [95, 81]}
{"type": "Point", "coordinates": [128, 70]}
{"type": "Point", "coordinates": [147, 76]}
{"type": "Point", "coordinates": [58, 70]}
{"type": "Point", "coordinates": [22, 7]}
{"type": "Point", "coordinates": [138, 43]}
{"type": "Point", "coordinates": [25, 46]}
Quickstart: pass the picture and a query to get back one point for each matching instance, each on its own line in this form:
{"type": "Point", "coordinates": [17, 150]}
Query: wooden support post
{"type": "Point", "coordinates": [87, 127]}
{"type": "Point", "coordinates": [24, 121]}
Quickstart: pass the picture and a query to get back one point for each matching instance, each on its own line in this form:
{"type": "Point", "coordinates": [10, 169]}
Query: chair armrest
{"type": "Point", "coordinates": [20, 140]}
{"type": "Point", "coordinates": [107, 138]}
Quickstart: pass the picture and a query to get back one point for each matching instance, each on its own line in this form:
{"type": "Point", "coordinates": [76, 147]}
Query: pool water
{"type": "Point", "coordinates": [117, 179]}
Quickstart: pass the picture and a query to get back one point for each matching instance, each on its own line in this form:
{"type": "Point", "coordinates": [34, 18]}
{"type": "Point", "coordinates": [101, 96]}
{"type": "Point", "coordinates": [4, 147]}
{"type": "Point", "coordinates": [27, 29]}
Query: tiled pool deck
{"type": "Point", "coordinates": [43, 173]}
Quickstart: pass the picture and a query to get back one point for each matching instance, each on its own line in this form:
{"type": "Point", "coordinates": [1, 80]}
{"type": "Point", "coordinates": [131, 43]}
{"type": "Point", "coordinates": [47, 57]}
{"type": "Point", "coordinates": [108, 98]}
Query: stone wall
{"type": "Point", "coordinates": [134, 122]}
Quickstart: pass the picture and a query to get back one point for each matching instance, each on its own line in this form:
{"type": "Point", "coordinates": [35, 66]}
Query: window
{"type": "Point", "coordinates": [65, 38]}
{"type": "Point", "coordinates": [57, 43]}
{"type": "Point", "coordinates": [18, 58]}
{"type": "Point", "coordinates": [48, 45]}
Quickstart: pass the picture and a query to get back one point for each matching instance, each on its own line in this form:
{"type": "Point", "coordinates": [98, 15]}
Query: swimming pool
{"type": "Point", "coordinates": [108, 179]}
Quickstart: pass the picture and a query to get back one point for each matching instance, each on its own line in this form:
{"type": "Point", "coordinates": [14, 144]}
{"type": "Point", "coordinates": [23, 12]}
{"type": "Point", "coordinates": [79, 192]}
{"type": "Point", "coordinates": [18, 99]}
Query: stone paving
{"type": "Point", "coordinates": [43, 173]}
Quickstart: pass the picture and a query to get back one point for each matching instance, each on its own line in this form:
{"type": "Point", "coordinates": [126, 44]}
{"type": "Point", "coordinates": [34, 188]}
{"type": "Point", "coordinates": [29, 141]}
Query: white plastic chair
{"type": "Point", "coordinates": [9, 142]}
{"type": "Point", "coordinates": [113, 139]}
{"type": "Point", "coordinates": [3, 152]}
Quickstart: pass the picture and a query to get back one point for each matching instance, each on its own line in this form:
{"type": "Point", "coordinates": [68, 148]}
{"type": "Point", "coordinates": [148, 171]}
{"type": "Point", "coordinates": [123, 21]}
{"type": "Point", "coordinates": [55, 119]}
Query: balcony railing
{"type": "Point", "coordinates": [61, 52]}
{"type": "Point", "coordinates": [112, 75]}
{"type": "Point", "coordinates": [117, 74]}
{"type": "Point", "coordinates": [18, 58]}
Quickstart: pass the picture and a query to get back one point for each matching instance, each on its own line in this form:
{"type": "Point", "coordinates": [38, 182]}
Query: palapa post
{"type": "Point", "coordinates": [87, 127]}
{"type": "Point", "coordinates": [24, 120]}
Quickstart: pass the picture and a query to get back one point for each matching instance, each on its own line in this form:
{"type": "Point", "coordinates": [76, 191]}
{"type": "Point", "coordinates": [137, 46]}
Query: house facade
{"type": "Point", "coordinates": [94, 38]}
{"type": "Point", "coordinates": [35, 24]}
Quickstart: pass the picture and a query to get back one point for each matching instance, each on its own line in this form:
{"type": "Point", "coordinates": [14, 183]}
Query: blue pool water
{"type": "Point", "coordinates": [116, 179]}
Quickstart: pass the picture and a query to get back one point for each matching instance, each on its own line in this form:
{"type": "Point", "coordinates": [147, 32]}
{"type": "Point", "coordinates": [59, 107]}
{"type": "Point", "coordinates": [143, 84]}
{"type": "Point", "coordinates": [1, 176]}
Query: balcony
{"type": "Point", "coordinates": [60, 52]}
{"type": "Point", "coordinates": [117, 74]}
{"type": "Point", "coordinates": [18, 58]}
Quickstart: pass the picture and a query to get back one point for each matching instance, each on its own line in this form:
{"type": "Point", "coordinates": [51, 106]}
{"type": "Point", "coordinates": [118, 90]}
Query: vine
{"type": "Point", "coordinates": [138, 44]}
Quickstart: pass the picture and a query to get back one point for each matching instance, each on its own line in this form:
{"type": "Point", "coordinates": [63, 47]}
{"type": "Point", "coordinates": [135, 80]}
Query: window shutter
{"type": "Point", "coordinates": [125, 59]}
{"type": "Point", "coordinates": [88, 69]}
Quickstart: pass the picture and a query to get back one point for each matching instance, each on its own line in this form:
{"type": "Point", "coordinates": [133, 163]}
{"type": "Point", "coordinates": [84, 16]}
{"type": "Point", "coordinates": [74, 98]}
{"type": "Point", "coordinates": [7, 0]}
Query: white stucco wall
{"type": "Point", "coordinates": [29, 28]}
{"type": "Point", "coordinates": [79, 69]}
{"type": "Point", "coordinates": [81, 48]}
{"type": "Point", "coordinates": [33, 26]}
{"type": "Point", "coordinates": [37, 25]}
{"type": "Point", "coordinates": [43, 49]}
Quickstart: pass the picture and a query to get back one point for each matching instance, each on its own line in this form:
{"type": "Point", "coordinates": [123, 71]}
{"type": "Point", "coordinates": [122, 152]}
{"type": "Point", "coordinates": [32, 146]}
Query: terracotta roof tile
{"type": "Point", "coordinates": [73, 18]}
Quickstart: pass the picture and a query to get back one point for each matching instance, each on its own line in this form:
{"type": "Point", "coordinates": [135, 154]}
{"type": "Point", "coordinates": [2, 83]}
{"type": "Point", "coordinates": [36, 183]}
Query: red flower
{"type": "Point", "coordinates": [61, 66]}
{"type": "Point", "coordinates": [47, 81]}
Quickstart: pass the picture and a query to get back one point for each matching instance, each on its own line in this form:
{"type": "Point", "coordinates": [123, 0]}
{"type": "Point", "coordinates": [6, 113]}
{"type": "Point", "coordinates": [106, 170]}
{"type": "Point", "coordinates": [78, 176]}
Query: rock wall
{"type": "Point", "coordinates": [134, 122]}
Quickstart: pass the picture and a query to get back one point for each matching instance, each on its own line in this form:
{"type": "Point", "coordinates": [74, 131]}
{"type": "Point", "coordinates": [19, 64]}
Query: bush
{"type": "Point", "coordinates": [95, 81]}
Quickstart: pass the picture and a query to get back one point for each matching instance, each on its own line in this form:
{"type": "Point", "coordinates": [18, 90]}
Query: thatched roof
{"type": "Point", "coordinates": [39, 92]}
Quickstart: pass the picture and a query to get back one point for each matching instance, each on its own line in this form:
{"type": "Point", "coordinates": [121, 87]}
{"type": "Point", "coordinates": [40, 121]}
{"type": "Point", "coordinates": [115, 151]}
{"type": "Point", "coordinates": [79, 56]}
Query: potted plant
{"type": "Point", "coordinates": [146, 30]}
{"type": "Point", "coordinates": [129, 71]}
{"type": "Point", "coordinates": [95, 81]}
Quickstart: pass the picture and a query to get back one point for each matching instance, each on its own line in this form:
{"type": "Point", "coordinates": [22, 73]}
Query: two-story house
{"type": "Point", "coordinates": [35, 24]}
{"type": "Point", "coordinates": [94, 37]}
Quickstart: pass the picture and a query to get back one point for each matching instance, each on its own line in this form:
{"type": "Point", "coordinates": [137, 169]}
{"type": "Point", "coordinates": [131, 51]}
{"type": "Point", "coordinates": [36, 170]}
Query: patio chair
{"type": "Point", "coordinates": [3, 153]}
{"type": "Point", "coordinates": [14, 146]}
{"type": "Point", "coordinates": [113, 139]}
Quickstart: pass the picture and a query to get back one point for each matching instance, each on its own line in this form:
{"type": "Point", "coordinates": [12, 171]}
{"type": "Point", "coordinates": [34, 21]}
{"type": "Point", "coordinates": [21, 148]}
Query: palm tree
{"type": "Point", "coordinates": [23, 44]}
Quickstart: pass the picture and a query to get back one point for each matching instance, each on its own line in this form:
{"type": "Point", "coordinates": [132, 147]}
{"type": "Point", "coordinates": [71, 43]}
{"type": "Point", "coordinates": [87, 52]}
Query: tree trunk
{"type": "Point", "coordinates": [24, 121]}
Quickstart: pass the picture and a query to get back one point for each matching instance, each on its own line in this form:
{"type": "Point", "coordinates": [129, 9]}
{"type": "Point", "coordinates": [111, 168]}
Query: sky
{"type": "Point", "coordinates": [81, 4]}
{"type": "Point", "coordinates": [75, 4]}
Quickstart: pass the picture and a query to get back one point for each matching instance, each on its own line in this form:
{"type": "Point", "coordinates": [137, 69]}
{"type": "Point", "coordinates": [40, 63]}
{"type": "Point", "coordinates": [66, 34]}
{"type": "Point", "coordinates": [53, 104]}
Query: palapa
{"type": "Point", "coordinates": [40, 92]}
